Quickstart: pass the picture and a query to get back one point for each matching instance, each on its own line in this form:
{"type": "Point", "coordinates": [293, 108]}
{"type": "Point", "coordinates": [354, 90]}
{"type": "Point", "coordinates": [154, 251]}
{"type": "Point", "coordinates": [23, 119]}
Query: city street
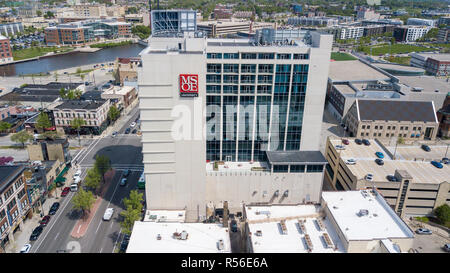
{"type": "Point", "coordinates": [124, 152]}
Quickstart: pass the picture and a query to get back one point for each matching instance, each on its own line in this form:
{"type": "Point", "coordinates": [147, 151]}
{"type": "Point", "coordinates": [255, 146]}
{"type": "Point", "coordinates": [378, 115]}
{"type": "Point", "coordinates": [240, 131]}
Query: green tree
{"type": "Point", "coordinates": [134, 201]}
{"type": "Point", "coordinates": [113, 113]}
{"type": "Point", "coordinates": [22, 137]}
{"type": "Point", "coordinates": [83, 201]}
{"type": "Point", "coordinates": [130, 216]}
{"type": "Point", "coordinates": [102, 164]}
{"type": "Point", "coordinates": [443, 213]}
{"type": "Point", "coordinates": [93, 179]}
{"type": "Point", "coordinates": [4, 126]}
{"type": "Point", "coordinates": [39, 13]}
{"type": "Point", "coordinates": [76, 124]}
{"type": "Point", "coordinates": [43, 121]}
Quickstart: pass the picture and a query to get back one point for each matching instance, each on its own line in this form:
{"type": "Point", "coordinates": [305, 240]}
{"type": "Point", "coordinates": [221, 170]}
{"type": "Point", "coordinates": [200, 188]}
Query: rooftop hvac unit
{"type": "Point", "coordinates": [363, 212]}
{"type": "Point", "coordinates": [258, 233]}
{"type": "Point", "coordinates": [220, 245]}
{"type": "Point", "coordinates": [184, 235]}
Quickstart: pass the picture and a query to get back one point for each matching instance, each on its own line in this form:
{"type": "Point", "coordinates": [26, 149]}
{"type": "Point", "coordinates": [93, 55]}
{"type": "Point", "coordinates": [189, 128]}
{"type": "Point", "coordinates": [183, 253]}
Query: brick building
{"type": "Point", "coordinates": [5, 50]}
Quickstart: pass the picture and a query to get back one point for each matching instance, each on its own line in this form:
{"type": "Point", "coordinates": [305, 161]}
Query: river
{"type": "Point", "coordinates": [75, 59]}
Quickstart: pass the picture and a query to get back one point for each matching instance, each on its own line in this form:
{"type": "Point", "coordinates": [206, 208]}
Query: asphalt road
{"type": "Point", "coordinates": [125, 152]}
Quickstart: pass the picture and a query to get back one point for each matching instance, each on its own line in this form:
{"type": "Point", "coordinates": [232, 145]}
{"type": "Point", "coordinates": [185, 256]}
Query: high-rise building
{"type": "Point", "coordinates": [167, 23]}
{"type": "Point", "coordinates": [261, 107]}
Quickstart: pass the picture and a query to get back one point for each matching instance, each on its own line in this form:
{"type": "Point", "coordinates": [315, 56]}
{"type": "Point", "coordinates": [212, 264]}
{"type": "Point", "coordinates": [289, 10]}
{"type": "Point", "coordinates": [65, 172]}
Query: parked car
{"type": "Point", "coordinates": [446, 247]}
{"type": "Point", "coordinates": [379, 161]}
{"type": "Point", "coordinates": [350, 161]}
{"type": "Point", "coordinates": [133, 124]}
{"type": "Point", "coordinates": [345, 141]}
{"type": "Point", "coordinates": [445, 160]}
{"type": "Point", "coordinates": [124, 244]}
{"type": "Point", "coordinates": [392, 178]}
{"type": "Point", "coordinates": [65, 191]}
{"type": "Point", "coordinates": [424, 231]}
{"type": "Point", "coordinates": [369, 177]}
{"type": "Point", "coordinates": [134, 131]}
{"type": "Point", "coordinates": [108, 214]}
{"type": "Point", "coordinates": [123, 182]}
{"type": "Point", "coordinates": [36, 232]}
{"type": "Point", "coordinates": [437, 164]}
{"type": "Point", "coordinates": [366, 142]}
{"type": "Point", "coordinates": [379, 154]}
{"type": "Point", "coordinates": [426, 148]}
{"type": "Point", "coordinates": [234, 226]}
{"type": "Point", "coordinates": [25, 249]}
{"type": "Point", "coordinates": [114, 134]}
{"type": "Point", "coordinates": [358, 141]}
{"type": "Point", "coordinates": [340, 147]}
{"type": "Point", "coordinates": [127, 131]}
{"type": "Point", "coordinates": [54, 208]}
{"type": "Point", "coordinates": [45, 220]}
{"type": "Point", "coordinates": [77, 174]}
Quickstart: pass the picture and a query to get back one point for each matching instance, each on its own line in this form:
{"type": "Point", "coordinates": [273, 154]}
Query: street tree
{"type": "Point", "coordinates": [83, 201]}
{"type": "Point", "coordinates": [443, 213]}
{"type": "Point", "coordinates": [93, 179]}
{"type": "Point", "coordinates": [130, 216]}
{"type": "Point", "coordinates": [43, 121]}
{"type": "Point", "coordinates": [102, 164]}
{"type": "Point", "coordinates": [76, 124]}
{"type": "Point", "coordinates": [22, 137]}
{"type": "Point", "coordinates": [134, 201]}
{"type": "Point", "coordinates": [4, 126]}
{"type": "Point", "coordinates": [113, 113]}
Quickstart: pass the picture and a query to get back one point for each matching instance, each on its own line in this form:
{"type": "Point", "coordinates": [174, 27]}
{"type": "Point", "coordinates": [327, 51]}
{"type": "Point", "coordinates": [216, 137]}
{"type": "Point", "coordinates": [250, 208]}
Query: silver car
{"type": "Point", "coordinates": [424, 231]}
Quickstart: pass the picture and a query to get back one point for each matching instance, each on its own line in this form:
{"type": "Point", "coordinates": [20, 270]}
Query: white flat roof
{"type": "Point", "coordinates": [165, 216]}
{"type": "Point", "coordinates": [266, 219]}
{"type": "Point", "coordinates": [202, 238]}
{"type": "Point", "coordinates": [380, 223]}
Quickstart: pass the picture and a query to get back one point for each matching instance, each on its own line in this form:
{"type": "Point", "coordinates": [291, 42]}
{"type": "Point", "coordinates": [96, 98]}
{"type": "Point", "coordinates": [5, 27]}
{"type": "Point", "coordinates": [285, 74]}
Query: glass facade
{"type": "Point", "coordinates": [259, 107]}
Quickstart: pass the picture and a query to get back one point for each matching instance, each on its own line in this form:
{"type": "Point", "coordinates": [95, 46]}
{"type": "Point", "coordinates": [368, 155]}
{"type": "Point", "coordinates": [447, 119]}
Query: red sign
{"type": "Point", "coordinates": [188, 85]}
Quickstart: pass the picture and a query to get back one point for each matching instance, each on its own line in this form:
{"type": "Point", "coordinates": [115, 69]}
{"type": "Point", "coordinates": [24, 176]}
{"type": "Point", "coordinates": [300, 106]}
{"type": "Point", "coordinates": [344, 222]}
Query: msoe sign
{"type": "Point", "coordinates": [188, 85]}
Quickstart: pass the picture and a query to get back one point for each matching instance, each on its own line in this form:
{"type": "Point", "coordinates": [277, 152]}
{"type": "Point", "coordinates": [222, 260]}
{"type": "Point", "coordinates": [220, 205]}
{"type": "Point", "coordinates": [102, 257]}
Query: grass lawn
{"type": "Point", "coordinates": [399, 60]}
{"type": "Point", "coordinates": [394, 49]}
{"type": "Point", "coordinates": [338, 56]}
{"type": "Point", "coordinates": [33, 52]}
{"type": "Point", "coordinates": [113, 44]}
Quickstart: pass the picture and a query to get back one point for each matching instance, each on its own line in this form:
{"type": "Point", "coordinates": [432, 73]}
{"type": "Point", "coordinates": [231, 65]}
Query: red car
{"type": "Point", "coordinates": [65, 191]}
{"type": "Point", "coordinates": [345, 141]}
{"type": "Point", "coordinates": [45, 220]}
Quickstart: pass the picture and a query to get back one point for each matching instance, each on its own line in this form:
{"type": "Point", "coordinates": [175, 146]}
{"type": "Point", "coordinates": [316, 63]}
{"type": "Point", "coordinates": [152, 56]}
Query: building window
{"type": "Point", "coordinates": [214, 55]}
{"type": "Point", "coordinates": [284, 56]}
{"type": "Point", "coordinates": [401, 128]}
{"type": "Point", "coordinates": [414, 128]}
{"type": "Point", "coordinates": [231, 55]}
{"type": "Point", "coordinates": [314, 168]}
{"type": "Point", "coordinates": [368, 126]}
{"type": "Point", "coordinates": [389, 127]}
{"type": "Point", "coordinates": [248, 55]}
{"type": "Point", "coordinates": [266, 56]}
{"type": "Point", "coordinates": [297, 168]}
{"type": "Point", "coordinates": [280, 168]}
{"type": "Point", "coordinates": [363, 127]}
{"type": "Point", "coordinates": [381, 127]}
{"type": "Point", "coordinates": [301, 56]}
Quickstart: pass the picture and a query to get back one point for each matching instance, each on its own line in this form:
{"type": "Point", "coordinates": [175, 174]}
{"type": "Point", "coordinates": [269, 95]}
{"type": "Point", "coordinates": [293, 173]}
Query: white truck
{"type": "Point", "coordinates": [75, 184]}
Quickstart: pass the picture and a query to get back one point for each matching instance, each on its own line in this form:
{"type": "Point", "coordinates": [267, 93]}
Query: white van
{"type": "Point", "coordinates": [74, 187]}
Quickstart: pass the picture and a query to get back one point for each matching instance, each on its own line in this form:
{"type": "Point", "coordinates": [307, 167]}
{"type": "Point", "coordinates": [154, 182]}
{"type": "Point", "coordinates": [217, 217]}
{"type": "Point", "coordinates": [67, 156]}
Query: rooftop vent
{"type": "Point", "coordinates": [258, 233]}
{"type": "Point", "coordinates": [220, 245]}
{"type": "Point", "coordinates": [363, 212]}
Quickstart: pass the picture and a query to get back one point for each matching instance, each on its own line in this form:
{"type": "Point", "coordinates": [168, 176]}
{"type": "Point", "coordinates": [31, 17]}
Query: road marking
{"type": "Point", "coordinates": [111, 224]}
{"type": "Point", "coordinates": [79, 227]}
{"type": "Point", "coordinates": [57, 235]}
{"type": "Point", "coordinates": [98, 226]}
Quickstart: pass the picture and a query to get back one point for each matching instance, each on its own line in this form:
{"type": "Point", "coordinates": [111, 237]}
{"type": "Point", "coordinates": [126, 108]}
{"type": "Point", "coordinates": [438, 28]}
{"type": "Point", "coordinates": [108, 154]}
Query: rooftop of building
{"type": "Point", "coordinates": [396, 110]}
{"type": "Point", "coordinates": [396, 69]}
{"type": "Point", "coordinates": [8, 174]}
{"type": "Point", "coordinates": [421, 171]}
{"type": "Point", "coordinates": [365, 215]}
{"type": "Point", "coordinates": [267, 235]}
{"type": "Point", "coordinates": [81, 105]}
{"type": "Point", "coordinates": [354, 71]}
{"type": "Point", "coordinates": [119, 90]}
{"type": "Point", "coordinates": [232, 166]}
{"type": "Point", "coordinates": [439, 57]}
{"type": "Point", "coordinates": [295, 157]}
{"type": "Point", "coordinates": [165, 216]}
{"type": "Point", "coordinates": [425, 83]}
{"type": "Point", "coordinates": [154, 237]}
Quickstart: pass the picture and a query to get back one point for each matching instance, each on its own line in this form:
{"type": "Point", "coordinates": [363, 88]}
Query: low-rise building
{"type": "Point", "coordinates": [5, 50]}
{"type": "Point", "coordinates": [94, 113]}
{"type": "Point", "coordinates": [224, 28]}
{"type": "Point", "coordinates": [373, 30]}
{"type": "Point", "coordinates": [434, 64]}
{"type": "Point", "coordinates": [313, 21]}
{"type": "Point", "coordinates": [421, 22]}
{"type": "Point", "coordinates": [343, 222]}
{"type": "Point", "coordinates": [126, 69]}
{"type": "Point", "coordinates": [418, 189]}
{"type": "Point", "coordinates": [14, 202]}
{"type": "Point", "coordinates": [49, 150]}
{"type": "Point", "coordinates": [166, 232]}
{"type": "Point", "coordinates": [385, 119]}
{"type": "Point", "coordinates": [122, 96]}
{"type": "Point", "coordinates": [367, 14]}
{"type": "Point", "coordinates": [11, 28]}
{"type": "Point", "coordinates": [410, 33]}
{"type": "Point", "coordinates": [443, 35]}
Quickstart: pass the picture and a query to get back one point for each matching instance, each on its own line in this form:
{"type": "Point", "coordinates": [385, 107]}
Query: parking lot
{"type": "Point", "coordinates": [417, 153]}
{"type": "Point", "coordinates": [362, 151]}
